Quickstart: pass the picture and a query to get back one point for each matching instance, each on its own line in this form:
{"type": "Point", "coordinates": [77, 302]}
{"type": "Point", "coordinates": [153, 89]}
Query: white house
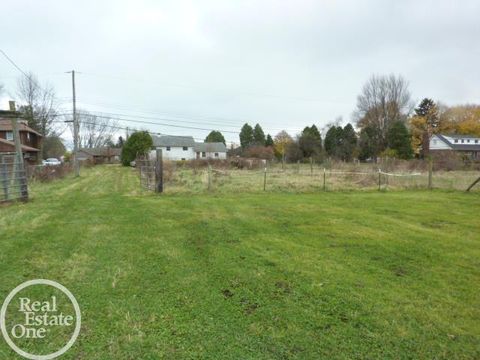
{"type": "Point", "coordinates": [464, 144]}
{"type": "Point", "coordinates": [215, 150]}
{"type": "Point", "coordinates": [185, 148]}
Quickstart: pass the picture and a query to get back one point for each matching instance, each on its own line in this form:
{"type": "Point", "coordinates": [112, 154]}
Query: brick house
{"type": "Point", "coordinates": [100, 155]}
{"type": "Point", "coordinates": [30, 139]}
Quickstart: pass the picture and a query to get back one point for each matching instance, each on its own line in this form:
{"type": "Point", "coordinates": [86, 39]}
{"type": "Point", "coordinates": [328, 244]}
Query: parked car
{"type": "Point", "coordinates": [51, 162]}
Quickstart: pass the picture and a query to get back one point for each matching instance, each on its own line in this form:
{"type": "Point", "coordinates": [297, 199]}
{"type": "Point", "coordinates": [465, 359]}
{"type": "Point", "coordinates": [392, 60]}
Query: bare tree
{"type": "Point", "coordinates": [383, 101]}
{"type": "Point", "coordinates": [95, 131]}
{"type": "Point", "coordinates": [39, 105]}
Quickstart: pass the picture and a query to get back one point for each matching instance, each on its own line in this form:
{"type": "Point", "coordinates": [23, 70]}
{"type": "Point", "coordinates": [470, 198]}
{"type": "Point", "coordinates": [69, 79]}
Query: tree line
{"type": "Point", "coordinates": [386, 124]}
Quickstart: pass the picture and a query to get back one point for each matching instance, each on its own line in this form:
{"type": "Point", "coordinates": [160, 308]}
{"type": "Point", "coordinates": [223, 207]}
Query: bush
{"type": "Point", "coordinates": [139, 143]}
{"type": "Point", "coordinates": [48, 173]}
{"type": "Point", "coordinates": [260, 152]}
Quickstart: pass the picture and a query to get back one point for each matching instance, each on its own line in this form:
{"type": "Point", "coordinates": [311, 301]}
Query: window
{"type": "Point", "coordinates": [204, 154]}
{"type": "Point", "coordinates": [476, 141]}
{"type": "Point", "coordinates": [168, 148]}
{"type": "Point", "coordinates": [9, 135]}
{"type": "Point", "coordinates": [28, 136]}
{"type": "Point", "coordinates": [185, 148]}
{"type": "Point", "coordinates": [216, 154]}
{"type": "Point", "coordinates": [468, 140]}
{"type": "Point", "coordinates": [463, 141]}
{"type": "Point", "coordinates": [456, 141]}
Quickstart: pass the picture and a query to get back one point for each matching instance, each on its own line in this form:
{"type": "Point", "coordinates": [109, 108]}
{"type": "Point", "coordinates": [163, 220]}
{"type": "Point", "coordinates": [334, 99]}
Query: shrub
{"type": "Point", "coordinates": [139, 143]}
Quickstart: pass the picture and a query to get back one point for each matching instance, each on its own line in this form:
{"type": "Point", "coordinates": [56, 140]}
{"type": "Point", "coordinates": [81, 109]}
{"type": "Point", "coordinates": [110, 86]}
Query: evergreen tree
{"type": "Point", "coordinates": [215, 136]}
{"type": "Point", "coordinates": [246, 136]}
{"type": "Point", "coordinates": [369, 142]}
{"type": "Point", "coordinates": [310, 142]}
{"type": "Point", "coordinates": [349, 142]}
{"type": "Point", "coordinates": [139, 143]}
{"type": "Point", "coordinates": [269, 141]}
{"type": "Point", "coordinates": [258, 135]}
{"type": "Point", "coordinates": [120, 142]}
{"type": "Point", "coordinates": [423, 125]}
{"type": "Point", "coordinates": [399, 140]}
{"type": "Point", "coordinates": [334, 141]}
{"type": "Point", "coordinates": [425, 107]}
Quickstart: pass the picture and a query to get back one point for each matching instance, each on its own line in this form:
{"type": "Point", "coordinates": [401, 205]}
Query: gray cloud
{"type": "Point", "coordinates": [285, 64]}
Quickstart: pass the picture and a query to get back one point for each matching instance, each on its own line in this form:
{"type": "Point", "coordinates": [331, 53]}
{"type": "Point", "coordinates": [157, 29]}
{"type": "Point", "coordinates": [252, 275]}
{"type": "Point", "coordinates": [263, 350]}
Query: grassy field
{"type": "Point", "coordinates": [335, 275]}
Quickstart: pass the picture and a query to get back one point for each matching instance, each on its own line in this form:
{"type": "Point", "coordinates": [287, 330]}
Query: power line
{"type": "Point", "coordinates": [161, 124]}
{"type": "Point", "coordinates": [184, 118]}
{"type": "Point", "coordinates": [163, 119]}
{"type": "Point", "coordinates": [13, 63]}
{"type": "Point", "coordinates": [116, 127]}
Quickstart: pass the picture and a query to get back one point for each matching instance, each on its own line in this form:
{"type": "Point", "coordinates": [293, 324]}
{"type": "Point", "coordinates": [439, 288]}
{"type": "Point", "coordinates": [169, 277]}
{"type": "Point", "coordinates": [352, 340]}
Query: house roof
{"type": "Point", "coordinates": [175, 141]}
{"type": "Point", "coordinates": [102, 151]}
{"type": "Point", "coordinates": [459, 146]}
{"type": "Point", "coordinates": [6, 125]}
{"type": "Point", "coordinates": [24, 147]}
{"type": "Point", "coordinates": [210, 147]}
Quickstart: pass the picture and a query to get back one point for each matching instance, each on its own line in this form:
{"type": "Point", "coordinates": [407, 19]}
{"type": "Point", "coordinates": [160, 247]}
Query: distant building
{"type": "Point", "coordinates": [185, 148]}
{"type": "Point", "coordinates": [215, 150]}
{"type": "Point", "coordinates": [30, 139]}
{"type": "Point", "coordinates": [100, 155]}
{"type": "Point", "coordinates": [466, 145]}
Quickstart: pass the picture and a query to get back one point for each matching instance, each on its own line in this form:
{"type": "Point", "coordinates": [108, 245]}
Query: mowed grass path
{"type": "Point", "coordinates": [336, 275]}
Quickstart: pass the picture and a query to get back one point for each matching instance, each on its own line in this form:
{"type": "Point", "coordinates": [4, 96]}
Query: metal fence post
{"type": "Point", "coordinates": [209, 177]}
{"type": "Point", "coordinates": [430, 173]}
{"type": "Point", "coordinates": [265, 179]}
{"type": "Point", "coordinates": [324, 179]}
{"type": "Point", "coordinates": [159, 171]}
{"type": "Point", "coordinates": [379, 179]}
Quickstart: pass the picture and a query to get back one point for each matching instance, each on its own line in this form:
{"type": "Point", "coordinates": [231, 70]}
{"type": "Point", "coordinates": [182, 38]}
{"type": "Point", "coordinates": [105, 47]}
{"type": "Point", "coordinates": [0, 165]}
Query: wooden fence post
{"type": "Point", "coordinates": [159, 171]}
{"type": "Point", "coordinates": [324, 179]}
{"type": "Point", "coordinates": [379, 179]}
{"type": "Point", "coordinates": [473, 184]}
{"type": "Point", "coordinates": [311, 166]}
{"type": "Point", "coordinates": [298, 166]}
{"type": "Point", "coordinates": [265, 179]}
{"type": "Point", "coordinates": [430, 173]}
{"type": "Point", "coordinates": [209, 177]}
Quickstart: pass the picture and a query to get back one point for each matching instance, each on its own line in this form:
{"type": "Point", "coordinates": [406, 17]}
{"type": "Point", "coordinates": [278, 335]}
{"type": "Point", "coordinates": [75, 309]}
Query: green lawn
{"type": "Point", "coordinates": [342, 275]}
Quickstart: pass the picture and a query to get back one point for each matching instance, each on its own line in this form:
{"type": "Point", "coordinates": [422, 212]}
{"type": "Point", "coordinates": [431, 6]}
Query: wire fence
{"type": "Point", "coordinates": [184, 178]}
{"type": "Point", "coordinates": [150, 171]}
{"type": "Point", "coordinates": [13, 178]}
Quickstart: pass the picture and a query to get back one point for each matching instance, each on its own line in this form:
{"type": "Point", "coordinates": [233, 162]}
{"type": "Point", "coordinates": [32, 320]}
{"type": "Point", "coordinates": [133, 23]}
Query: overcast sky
{"type": "Point", "coordinates": [218, 64]}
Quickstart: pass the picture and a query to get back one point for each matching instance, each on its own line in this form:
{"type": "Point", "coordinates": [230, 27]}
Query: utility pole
{"type": "Point", "coordinates": [76, 165]}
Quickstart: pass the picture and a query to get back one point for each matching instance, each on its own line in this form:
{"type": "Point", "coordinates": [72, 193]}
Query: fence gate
{"type": "Point", "coordinates": [151, 171]}
{"type": "Point", "coordinates": [13, 178]}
